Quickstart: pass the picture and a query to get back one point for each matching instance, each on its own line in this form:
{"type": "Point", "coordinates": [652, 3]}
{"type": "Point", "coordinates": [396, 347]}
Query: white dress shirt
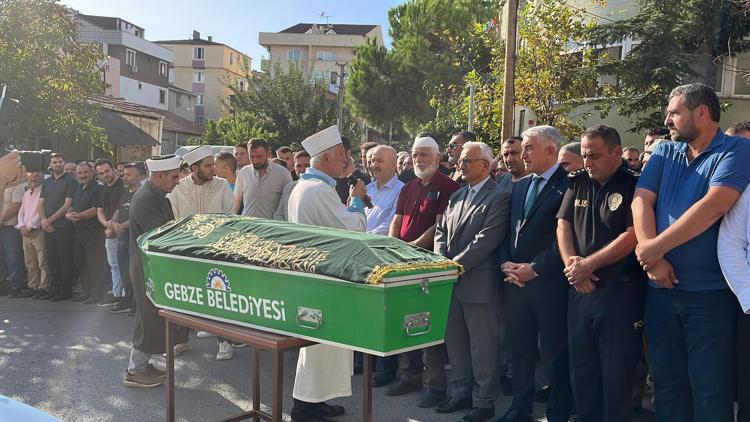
{"type": "Point", "coordinates": [734, 254]}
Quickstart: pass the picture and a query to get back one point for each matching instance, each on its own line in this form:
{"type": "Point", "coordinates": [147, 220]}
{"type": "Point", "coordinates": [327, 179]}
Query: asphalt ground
{"type": "Point", "coordinates": [69, 360]}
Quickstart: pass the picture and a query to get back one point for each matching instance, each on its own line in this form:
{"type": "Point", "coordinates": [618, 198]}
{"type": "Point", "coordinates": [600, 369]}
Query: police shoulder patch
{"type": "Point", "coordinates": [579, 172]}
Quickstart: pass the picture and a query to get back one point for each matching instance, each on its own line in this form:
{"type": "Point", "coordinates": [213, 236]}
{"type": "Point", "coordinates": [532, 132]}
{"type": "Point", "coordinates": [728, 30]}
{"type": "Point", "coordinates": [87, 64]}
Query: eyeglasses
{"type": "Point", "coordinates": [469, 160]}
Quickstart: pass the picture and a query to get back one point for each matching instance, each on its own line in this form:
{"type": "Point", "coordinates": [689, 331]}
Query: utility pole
{"type": "Point", "coordinates": [340, 97]}
{"type": "Point", "coordinates": [511, 21]}
{"type": "Point", "coordinates": [472, 93]}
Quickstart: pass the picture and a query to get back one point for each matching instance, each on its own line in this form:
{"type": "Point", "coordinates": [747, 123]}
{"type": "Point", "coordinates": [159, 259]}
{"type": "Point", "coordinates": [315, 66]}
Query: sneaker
{"type": "Point", "coordinates": [204, 334]}
{"type": "Point", "coordinates": [104, 303]}
{"type": "Point", "coordinates": [28, 293]}
{"type": "Point", "coordinates": [225, 351]}
{"type": "Point", "coordinates": [179, 349]}
{"type": "Point", "coordinates": [120, 308]}
{"type": "Point", "coordinates": [156, 371]}
{"type": "Point", "coordinates": [239, 345]}
{"type": "Point", "coordinates": [39, 293]}
{"type": "Point", "coordinates": [143, 379]}
{"type": "Point", "coordinates": [14, 293]}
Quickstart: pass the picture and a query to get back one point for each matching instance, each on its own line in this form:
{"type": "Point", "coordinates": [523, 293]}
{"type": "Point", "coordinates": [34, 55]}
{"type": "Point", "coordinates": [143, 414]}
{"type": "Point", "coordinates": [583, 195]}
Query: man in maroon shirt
{"type": "Point", "coordinates": [420, 206]}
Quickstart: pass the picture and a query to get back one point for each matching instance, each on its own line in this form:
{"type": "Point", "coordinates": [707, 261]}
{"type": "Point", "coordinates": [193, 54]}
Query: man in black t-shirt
{"type": "Point", "coordinates": [133, 176]}
{"type": "Point", "coordinates": [109, 199]}
{"type": "Point", "coordinates": [54, 201]}
{"type": "Point", "coordinates": [605, 299]}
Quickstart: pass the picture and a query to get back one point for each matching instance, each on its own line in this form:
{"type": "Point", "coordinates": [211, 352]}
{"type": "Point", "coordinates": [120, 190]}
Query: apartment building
{"type": "Point", "coordinates": [205, 67]}
{"type": "Point", "coordinates": [134, 68]}
{"type": "Point", "coordinates": [318, 48]}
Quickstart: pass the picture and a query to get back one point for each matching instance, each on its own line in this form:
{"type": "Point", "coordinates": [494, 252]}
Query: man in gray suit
{"type": "Point", "coordinates": [474, 225]}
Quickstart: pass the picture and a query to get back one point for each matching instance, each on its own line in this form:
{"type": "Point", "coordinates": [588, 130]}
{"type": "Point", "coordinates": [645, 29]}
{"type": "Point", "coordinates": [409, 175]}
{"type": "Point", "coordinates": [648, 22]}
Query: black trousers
{"type": "Point", "coordinates": [743, 366]}
{"type": "Point", "coordinates": [426, 366]}
{"type": "Point", "coordinates": [533, 323]}
{"type": "Point", "coordinates": [604, 338]}
{"type": "Point", "coordinates": [91, 260]}
{"type": "Point", "coordinates": [59, 245]}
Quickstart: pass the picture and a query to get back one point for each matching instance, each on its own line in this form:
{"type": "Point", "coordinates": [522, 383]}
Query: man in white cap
{"type": "Point", "coordinates": [420, 206]}
{"type": "Point", "coordinates": [149, 209]}
{"type": "Point", "coordinates": [324, 372]}
{"type": "Point", "coordinates": [201, 192]}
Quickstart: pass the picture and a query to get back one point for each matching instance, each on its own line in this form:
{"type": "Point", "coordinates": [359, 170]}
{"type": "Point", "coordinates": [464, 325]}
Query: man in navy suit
{"type": "Point", "coordinates": [536, 293]}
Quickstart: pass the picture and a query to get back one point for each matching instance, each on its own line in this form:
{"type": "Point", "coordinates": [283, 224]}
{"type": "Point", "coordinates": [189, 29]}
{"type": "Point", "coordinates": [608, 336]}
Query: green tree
{"type": "Point", "coordinates": [556, 69]}
{"type": "Point", "coordinates": [234, 129]}
{"type": "Point", "coordinates": [49, 72]}
{"type": "Point", "coordinates": [285, 106]}
{"type": "Point", "coordinates": [680, 42]}
{"type": "Point", "coordinates": [434, 47]}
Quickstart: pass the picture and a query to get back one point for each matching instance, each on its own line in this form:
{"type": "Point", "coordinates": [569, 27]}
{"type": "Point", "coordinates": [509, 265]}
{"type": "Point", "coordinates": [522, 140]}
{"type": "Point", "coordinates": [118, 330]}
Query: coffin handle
{"type": "Point", "coordinates": [417, 324]}
{"type": "Point", "coordinates": [309, 318]}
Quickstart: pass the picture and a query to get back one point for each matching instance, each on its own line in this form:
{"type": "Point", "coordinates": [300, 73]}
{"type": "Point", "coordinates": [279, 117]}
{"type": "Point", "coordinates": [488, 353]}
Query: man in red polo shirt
{"type": "Point", "coordinates": [421, 204]}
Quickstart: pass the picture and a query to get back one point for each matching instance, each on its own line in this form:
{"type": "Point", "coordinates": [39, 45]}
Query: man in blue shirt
{"type": "Point", "coordinates": [680, 199]}
{"type": "Point", "coordinates": [383, 192]}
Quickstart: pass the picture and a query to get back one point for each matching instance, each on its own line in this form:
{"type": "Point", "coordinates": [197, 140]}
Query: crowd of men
{"type": "Point", "coordinates": [588, 267]}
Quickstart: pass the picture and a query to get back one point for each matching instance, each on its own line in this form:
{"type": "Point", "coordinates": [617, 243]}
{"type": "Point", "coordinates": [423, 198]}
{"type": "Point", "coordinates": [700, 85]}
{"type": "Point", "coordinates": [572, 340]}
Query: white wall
{"type": "Point", "coordinates": [147, 94]}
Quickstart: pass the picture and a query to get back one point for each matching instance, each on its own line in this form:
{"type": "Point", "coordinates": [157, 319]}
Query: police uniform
{"type": "Point", "coordinates": [604, 326]}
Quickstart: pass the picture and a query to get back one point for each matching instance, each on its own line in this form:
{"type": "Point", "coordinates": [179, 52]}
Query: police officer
{"type": "Point", "coordinates": [605, 301]}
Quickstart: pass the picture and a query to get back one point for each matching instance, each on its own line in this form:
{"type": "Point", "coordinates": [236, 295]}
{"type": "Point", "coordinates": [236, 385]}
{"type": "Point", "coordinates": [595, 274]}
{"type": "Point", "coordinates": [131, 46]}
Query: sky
{"type": "Point", "coordinates": [235, 22]}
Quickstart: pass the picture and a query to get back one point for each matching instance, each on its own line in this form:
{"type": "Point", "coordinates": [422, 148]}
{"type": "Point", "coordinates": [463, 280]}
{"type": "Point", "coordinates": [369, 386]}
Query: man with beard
{"type": "Point", "coordinates": [200, 192]}
{"type": "Point", "coordinates": [259, 186]}
{"type": "Point", "coordinates": [241, 155]}
{"type": "Point", "coordinates": [679, 202]}
{"type": "Point", "coordinates": [109, 198]}
{"type": "Point", "coordinates": [88, 247]}
{"type": "Point", "coordinates": [511, 154]}
{"type": "Point", "coordinates": [133, 175]}
{"type": "Point", "coordinates": [351, 172]}
{"type": "Point", "coordinates": [149, 209]}
{"type": "Point", "coordinates": [420, 206]}
{"type": "Point", "coordinates": [569, 157]}
{"type": "Point", "coordinates": [55, 200]}
{"type": "Point", "coordinates": [323, 371]}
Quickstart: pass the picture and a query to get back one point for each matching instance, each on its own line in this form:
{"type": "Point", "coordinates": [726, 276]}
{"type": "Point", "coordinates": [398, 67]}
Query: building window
{"type": "Point", "coordinates": [741, 83]}
{"type": "Point", "coordinates": [178, 100]}
{"type": "Point", "coordinates": [327, 56]}
{"type": "Point", "coordinates": [199, 76]}
{"type": "Point", "coordinates": [199, 120]}
{"type": "Point", "coordinates": [199, 99]}
{"type": "Point", "coordinates": [171, 76]}
{"type": "Point", "coordinates": [130, 59]}
{"type": "Point", "coordinates": [162, 96]}
{"type": "Point", "coordinates": [293, 55]}
{"type": "Point", "coordinates": [163, 68]}
{"type": "Point", "coordinates": [199, 53]}
{"type": "Point", "coordinates": [240, 85]}
{"type": "Point", "coordinates": [231, 58]}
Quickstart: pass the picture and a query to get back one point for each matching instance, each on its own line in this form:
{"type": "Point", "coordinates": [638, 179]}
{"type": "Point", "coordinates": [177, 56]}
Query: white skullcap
{"type": "Point", "coordinates": [163, 163]}
{"type": "Point", "coordinates": [321, 141]}
{"type": "Point", "coordinates": [198, 154]}
{"type": "Point", "coordinates": [426, 142]}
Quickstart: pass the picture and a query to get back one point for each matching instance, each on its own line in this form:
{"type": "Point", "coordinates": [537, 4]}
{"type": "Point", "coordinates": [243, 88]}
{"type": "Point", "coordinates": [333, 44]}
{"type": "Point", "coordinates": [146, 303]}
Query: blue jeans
{"type": "Point", "coordinates": [13, 254]}
{"type": "Point", "coordinates": [111, 246]}
{"type": "Point", "coordinates": [691, 343]}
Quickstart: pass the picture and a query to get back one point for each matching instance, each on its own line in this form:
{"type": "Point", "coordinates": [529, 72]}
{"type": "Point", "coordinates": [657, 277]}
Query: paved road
{"type": "Point", "coordinates": [68, 359]}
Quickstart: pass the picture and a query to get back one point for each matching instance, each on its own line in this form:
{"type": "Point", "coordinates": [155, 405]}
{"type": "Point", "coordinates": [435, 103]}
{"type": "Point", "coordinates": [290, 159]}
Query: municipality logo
{"type": "Point", "coordinates": [217, 280]}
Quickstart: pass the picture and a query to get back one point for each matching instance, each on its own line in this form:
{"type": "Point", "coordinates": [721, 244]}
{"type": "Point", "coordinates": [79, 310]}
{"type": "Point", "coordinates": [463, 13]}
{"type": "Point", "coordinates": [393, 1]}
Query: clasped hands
{"type": "Point", "coordinates": [651, 258]}
{"type": "Point", "coordinates": [518, 274]}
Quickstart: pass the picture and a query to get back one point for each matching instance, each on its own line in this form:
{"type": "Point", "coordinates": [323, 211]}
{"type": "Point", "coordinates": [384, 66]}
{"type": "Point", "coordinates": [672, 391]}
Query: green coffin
{"type": "Point", "coordinates": [364, 292]}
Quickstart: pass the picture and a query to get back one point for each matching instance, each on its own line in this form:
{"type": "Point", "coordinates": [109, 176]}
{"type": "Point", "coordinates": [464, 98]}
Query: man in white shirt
{"type": "Point", "coordinates": [384, 191]}
{"type": "Point", "coordinates": [201, 192]}
{"type": "Point", "coordinates": [733, 246]}
{"type": "Point", "coordinates": [259, 186]}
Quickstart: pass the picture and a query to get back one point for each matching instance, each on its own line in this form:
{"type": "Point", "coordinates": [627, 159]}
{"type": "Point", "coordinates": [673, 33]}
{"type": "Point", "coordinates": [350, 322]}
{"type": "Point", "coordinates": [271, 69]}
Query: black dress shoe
{"type": "Point", "coordinates": [381, 382]}
{"type": "Point", "coordinates": [14, 293]}
{"type": "Point", "coordinates": [28, 292]}
{"type": "Point", "coordinates": [542, 395]}
{"type": "Point", "coordinates": [431, 398]}
{"type": "Point", "coordinates": [58, 298]}
{"type": "Point", "coordinates": [402, 387]}
{"type": "Point", "coordinates": [323, 410]}
{"type": "Point", "coordinates": [515, 416]}
{"type": "Point", "coordinates": [46, 296]}
{"type": "Point", "coordinates": [454, 405]}
{"type": "Point", "coordinates": [478, 414]}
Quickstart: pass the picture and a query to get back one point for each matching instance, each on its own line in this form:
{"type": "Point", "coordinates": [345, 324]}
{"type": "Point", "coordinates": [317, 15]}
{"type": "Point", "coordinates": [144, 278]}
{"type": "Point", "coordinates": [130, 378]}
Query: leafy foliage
{"type": "Point", "coordinates": [680, 42]}
{"type": "Point", "coordinates": [49, 72]}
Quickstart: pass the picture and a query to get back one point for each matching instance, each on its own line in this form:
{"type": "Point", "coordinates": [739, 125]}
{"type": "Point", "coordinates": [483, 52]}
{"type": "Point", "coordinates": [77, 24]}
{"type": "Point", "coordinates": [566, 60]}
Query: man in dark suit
{"type": "Point", "coordinates": [474, 225]}
{"type": "Point", "coordinates": [536, 293]}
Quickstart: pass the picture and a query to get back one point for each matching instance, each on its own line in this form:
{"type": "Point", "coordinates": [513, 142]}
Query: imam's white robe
{"type": "Point", "coordinates": [323, 372]}
{"type": "Point", "coordinates": [212, 197]}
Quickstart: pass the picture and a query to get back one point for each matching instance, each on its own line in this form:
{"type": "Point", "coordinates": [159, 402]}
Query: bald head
{"type": "Point", "coordinates": [383, 160]}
